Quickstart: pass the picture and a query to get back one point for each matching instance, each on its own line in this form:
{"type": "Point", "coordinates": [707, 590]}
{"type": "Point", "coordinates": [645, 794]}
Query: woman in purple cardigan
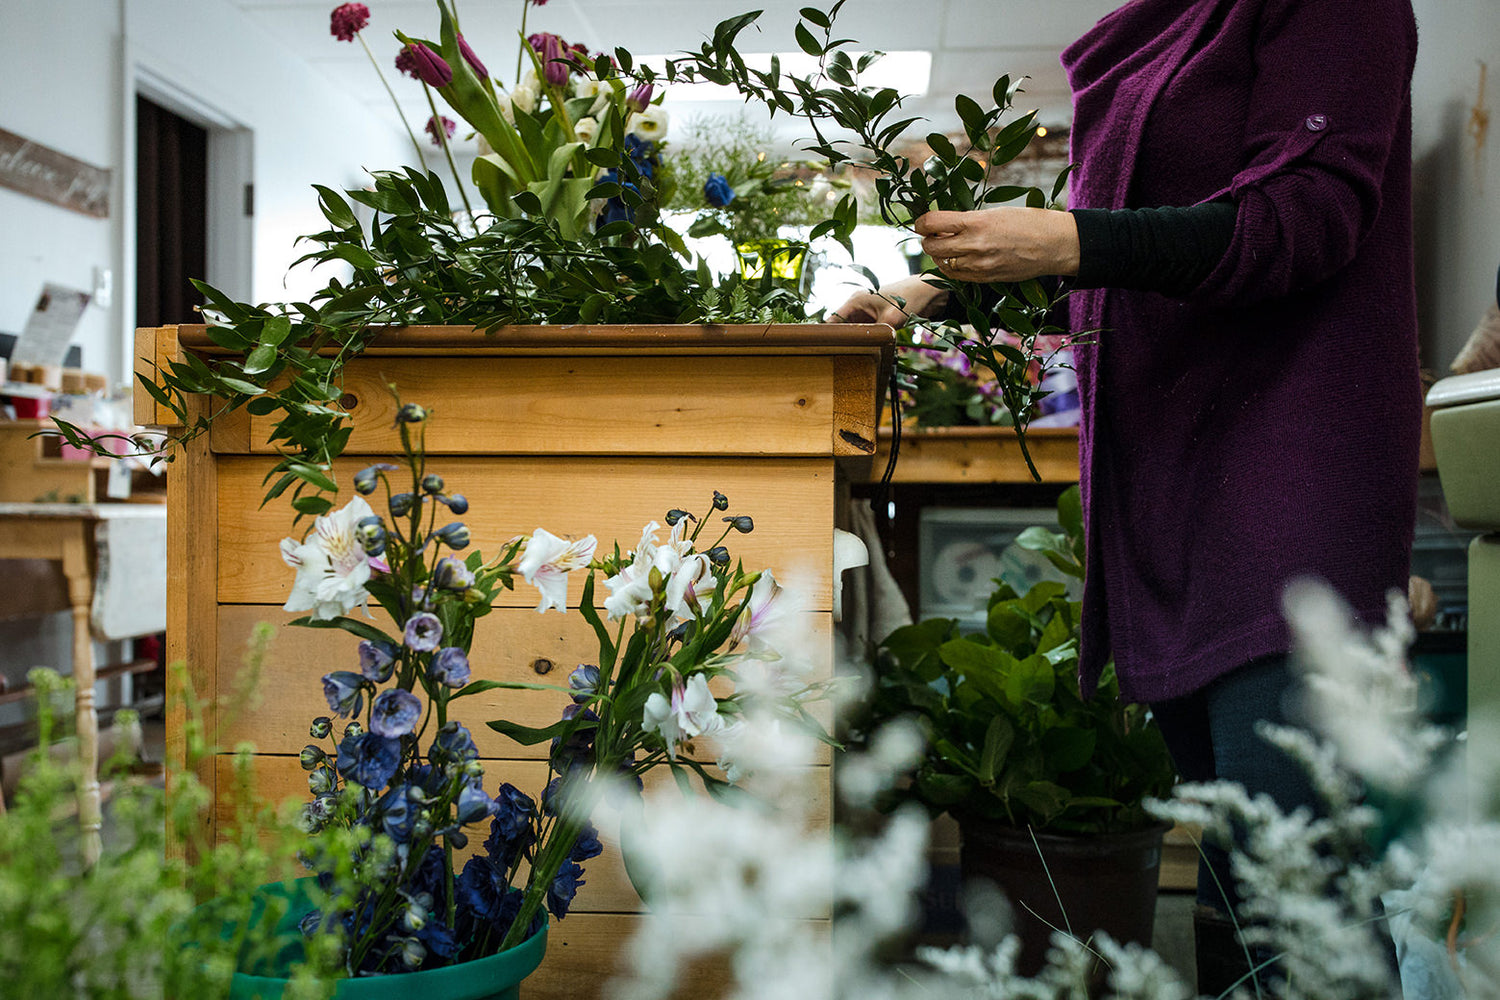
{"type": "Point", "coordinates": [1241, 235]}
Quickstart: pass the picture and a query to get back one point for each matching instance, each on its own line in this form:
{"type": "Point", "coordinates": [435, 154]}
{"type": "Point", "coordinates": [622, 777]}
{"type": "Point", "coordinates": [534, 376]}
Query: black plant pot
{"type": "Point", "coordinates": [1104, 881]}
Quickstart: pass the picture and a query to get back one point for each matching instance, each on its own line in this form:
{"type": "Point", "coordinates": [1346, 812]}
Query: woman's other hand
{"type": "Point", "coordinates": [893, 304]}
{"type": "Point", "coordinates": [1000, 244]}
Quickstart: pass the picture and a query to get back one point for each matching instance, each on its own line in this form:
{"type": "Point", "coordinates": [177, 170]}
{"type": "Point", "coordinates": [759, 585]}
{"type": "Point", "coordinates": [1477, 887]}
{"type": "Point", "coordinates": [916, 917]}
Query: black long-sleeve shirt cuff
{"type": "Point", "coordinates": [1169, 250]}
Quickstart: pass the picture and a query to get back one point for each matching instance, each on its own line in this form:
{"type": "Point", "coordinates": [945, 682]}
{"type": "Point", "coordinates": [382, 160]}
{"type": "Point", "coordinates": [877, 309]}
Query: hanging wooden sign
{"type": "Point", "coordinates": [44, 173]}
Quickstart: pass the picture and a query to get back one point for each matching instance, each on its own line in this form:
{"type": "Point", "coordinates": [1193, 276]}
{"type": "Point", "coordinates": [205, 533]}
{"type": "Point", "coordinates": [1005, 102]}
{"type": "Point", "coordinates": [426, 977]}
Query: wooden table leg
{"type": "Point", "coordinates": [81, 596]}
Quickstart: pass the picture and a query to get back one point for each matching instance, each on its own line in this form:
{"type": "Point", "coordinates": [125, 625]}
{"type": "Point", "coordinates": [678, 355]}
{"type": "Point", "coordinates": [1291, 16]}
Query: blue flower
{"type": "Point", "coordinates": [473, 804]}
{"type": "Point", "coordinates": [451, 574]}
{"type": "Point", "coordinates": [344, 690]}
{"type": "Point", "coordinates": [563, 888]}
{"type": "Point", "coordinates": [718, 190]}
{"type": "Point", "coordinates": [397, 812]}
{"type": "Point", "coordinates": [376, 658]}
{"type": "Point", "coordinates": [642, 153]}
{"type": "Point", "coordinates": [449, 666]}
{"type": "Point", "coordinates": [369, 759]}
{"type": "Point", "coordinates": [439, 937]}
{"type": "Point", "coordinates": [395, 713]}
{"type": "Point", "coordinates": [484, 897]}
{"type": "Point", "coordinates": [583, 682]}
{"type": "Point", "coordinates": [588, 845]}
{"type": "Point", "coordinates": [423, 632]}
{"type": "Point", "coordinates": [452, 744]}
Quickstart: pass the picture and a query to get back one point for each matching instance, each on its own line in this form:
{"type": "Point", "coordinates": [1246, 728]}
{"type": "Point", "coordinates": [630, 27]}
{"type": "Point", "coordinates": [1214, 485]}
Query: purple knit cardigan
{"type": "Point", "coordinates": [1266, 425]}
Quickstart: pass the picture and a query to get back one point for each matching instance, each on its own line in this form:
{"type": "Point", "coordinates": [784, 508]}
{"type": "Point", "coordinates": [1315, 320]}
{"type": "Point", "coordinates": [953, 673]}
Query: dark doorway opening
{"type": "Point", "coordinates": [171, 242]}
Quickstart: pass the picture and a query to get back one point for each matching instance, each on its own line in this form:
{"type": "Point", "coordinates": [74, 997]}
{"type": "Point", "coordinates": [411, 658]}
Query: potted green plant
{"type": "Point", "coordinates": [1048, 787]}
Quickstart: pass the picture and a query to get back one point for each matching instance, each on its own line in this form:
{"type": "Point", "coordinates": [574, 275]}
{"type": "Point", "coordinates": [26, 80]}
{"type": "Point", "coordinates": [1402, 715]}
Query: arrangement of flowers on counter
{"type": "Point", "coordinates": [398, 789]}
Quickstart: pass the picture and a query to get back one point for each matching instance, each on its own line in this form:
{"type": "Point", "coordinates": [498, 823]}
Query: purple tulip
{"type": "Point", "coordinates": [554, 68]}
{"type": "Point", "coordinates": [640, 98]}
{"type": "Point", "coordinates": [472, 59]}
{"type": "Point", "coordinates": [431, 68]}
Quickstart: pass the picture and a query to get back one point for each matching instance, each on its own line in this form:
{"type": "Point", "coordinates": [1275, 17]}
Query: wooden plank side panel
{"type": "Point", "coordinates": [511, 644]}
{"type": "Point", "coordinates": [608, 888]}
{"type": "Point", "coordinates": [790, 500]}
{"type": "Point", "coordinates": [980, 455]}
{"type": "Point", "coordinates": [599, 406]}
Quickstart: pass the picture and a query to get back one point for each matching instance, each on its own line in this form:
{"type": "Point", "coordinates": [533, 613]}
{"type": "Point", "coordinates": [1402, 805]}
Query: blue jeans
{"type": "Point", "coordinates": [1211, 735]}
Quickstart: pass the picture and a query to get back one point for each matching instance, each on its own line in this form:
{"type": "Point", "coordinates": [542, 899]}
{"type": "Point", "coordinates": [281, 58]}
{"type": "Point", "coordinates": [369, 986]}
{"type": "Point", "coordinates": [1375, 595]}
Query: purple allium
{"type": "Point", "coordinates": [563, 888]}
{"type": "Point", "coordinates": [472, 59]}
{"type": "Point", "coordinates": [717, 191]}
{"type": "Point", "coordinates": [451, 574]}
{"type": "Point", "coordinates": [348, 20]}
{"type": "Point", "coordinates": [449, 125]}
{"type": "Point", "coordinates": [452, 743]}
{"type": "Point", "coordinates": [344, 690]}
{"type": "Point", "coordinates": [583, 682]}
{"type": "Point", "coordinates": [539, 3]}
{"type": "Point", "coordinates": [587, 846]}
{"type": "Point", "coordinates": [423, 632]}
{"type": "Point", "coordinates": [432, 69]}
{"type": "Point", "coordinates": [449, 666]}
{"type": "Point", "coordinates": [394, 713]}
{"type": "Point", "coordinates": [376, 658]}
{"type": "Point", "coordinates": [639, 98]}
{"type": "Point", "coordinates": [406, 63]}
{"type": "Point", "coordinates": [369, 760]}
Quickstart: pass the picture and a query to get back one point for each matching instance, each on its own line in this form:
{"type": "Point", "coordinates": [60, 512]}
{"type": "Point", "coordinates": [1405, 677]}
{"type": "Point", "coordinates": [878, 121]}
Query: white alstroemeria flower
{"type": "Point", "coordinates": [629, 592]}
{"type": "Point", "coordinates": [650, 125]}
{"type": "Point", "coordinates": [546, 562]}
{"type": "Point", "coordinates": [587, 130]}
{"type": "Point", "coordinates": [761, 616]}
{"type": "Point", "coordinates": [524, 97]}
{"type": "Point", "coordinates": [693, 582]}
{"type": "Point", "coordinates": [691, 712]}
{"type": "Point", "coordinates": [332, 567]}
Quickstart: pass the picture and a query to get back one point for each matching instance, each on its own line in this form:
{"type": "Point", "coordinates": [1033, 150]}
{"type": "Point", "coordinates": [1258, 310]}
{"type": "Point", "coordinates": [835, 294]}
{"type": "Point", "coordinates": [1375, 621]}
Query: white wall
{"type": "Point", "coordinates": [68, 70]}
{"type": "Point", "coordinates": [1457, 184]}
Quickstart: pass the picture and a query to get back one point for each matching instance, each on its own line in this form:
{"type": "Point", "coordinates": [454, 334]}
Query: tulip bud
{"type": "Point", "coordinates": [472, 59]}
{"type": "Point", "coordinates": [433, 70]}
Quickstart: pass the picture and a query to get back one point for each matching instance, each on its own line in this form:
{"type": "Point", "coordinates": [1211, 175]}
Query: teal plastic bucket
{"type": "Point", "coordinates": [497, 977]}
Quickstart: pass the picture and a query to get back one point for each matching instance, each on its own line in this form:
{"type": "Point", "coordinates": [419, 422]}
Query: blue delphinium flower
{"type": "Point", "coordinates": [563, 888]}
{"type": "Point", "coordinates": [473, 804]}
{"type": "Point", "coordinates": [484, 897]}
{"type": "Point", "coordinates": [583, 682]}
{"type": "Point", "coordinates": [588, 845]}
{"type": "Point", "coordinates": [453, 743]}
{"type": "Point", "coordinates": [423, 632]}
{"type": "Point", "coordinates": [376, 658]}
{"type": "Point", "coordinates": [397, 813]}
{"type": "Point", "coordinates": [344, 690]}
{"type": "Point", "coordinates": [369, 759]}
{"type": "Point", "coordinates": [718, 191]}
{"type": "Point", "coordinates": [451, 574]}
{"type": "Point", "coordinates": [510, 827]}
{"type": "Point", "coordinates": [449, 666]}
{"type": "Point", "coordinates": [395, 713]}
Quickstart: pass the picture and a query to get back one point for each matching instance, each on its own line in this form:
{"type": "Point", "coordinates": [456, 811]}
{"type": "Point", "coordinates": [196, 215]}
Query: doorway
{"type": "Point", "coordinates": [171, 232]}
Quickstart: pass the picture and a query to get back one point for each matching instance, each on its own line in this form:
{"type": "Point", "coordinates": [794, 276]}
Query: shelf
{"type": "Point", "coordinates": [979, 455]}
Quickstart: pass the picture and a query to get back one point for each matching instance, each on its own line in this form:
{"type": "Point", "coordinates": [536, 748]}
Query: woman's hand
{"type": "Point", "coordinates": [1000, 244]}
{"type": "Point", "coordinates": [894, 304]}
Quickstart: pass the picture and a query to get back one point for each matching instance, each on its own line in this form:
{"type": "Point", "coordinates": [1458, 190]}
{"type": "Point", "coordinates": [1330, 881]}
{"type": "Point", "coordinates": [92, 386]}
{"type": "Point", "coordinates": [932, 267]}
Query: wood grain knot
{"type": "Point", "coordinates": [541, 665]}
{"type": "Point", "coordinates": [864, 444]}
{"type": "Point", "coordinates": [348, 400]}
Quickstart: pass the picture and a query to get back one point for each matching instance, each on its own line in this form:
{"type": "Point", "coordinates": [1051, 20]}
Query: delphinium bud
{"type": "Point", "coordinates": [456, 503]}
{"type": "Point", "coordinates": [721, 502]}
{"type": "Point", "coordinates": [371, 534]}
{"type": "Point", "coordinates": [401, 504]}
{"type": "Point", "coordinates": [455, 535]}
{"type": "Point", "coordinates": [352, 730]}
{"type": "Point", "coordinates": [451, 574]}
{"type": "Point", "coordinates": [321, 781]}
{"type": "Point", "coordinates": [320, 728]}
{"type": "Point", "coordinates": [311, 757]}
{"type": "Point", "coordinates": [411, 413]}
{"type": "Point", "coordinates": [718, 555]}
{"type": "Point", "coordinates": [674, 515]}
{"type": "Point", "coordinates": [432, 483]}
{"type": "Point", "coordinates": [742, 523]}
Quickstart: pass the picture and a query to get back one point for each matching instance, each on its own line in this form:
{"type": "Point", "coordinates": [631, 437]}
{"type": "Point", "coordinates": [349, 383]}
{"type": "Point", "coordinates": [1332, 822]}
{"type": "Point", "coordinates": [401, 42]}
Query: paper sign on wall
{"type": "Point", "coordinates": [50, 327]}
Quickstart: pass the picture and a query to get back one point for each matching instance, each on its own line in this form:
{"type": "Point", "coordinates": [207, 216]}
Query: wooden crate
{"type": "Point", "coordinates": [32, 469]}
{"type": "Point", "coordinates": [582, 430]}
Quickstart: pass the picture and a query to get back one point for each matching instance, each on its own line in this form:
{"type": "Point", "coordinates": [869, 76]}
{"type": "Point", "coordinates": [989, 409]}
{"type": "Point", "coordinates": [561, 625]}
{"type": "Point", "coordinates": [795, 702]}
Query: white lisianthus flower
{"type": "Point", "coordinates": [507, 111]}
{"type": "Point", "coordinates": [546, 562]}
{"type": "Point", "coordinates": [692, 711]}
{"type": "Point", "coordinates": [650, 125]}
{"type": "Point", "coordinates": [332, 567]}
{"type": "Point", "coordinates": [587, 130]}
{"type": "Point", "coordinates": [692, 582]}
{"type": "Point", "coordinates": [523, 97]}
{"type": "Point", "coordinates": [600, 91]}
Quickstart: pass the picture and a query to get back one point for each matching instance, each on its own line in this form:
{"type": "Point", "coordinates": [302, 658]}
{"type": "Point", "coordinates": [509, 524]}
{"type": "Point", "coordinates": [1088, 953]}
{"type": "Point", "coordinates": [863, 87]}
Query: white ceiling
{"type": "Point", "coordinates": [972, 41]}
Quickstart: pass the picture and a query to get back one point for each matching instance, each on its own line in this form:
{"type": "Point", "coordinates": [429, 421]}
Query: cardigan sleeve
{"type": "Point", "coordinates": [1330, 99]}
